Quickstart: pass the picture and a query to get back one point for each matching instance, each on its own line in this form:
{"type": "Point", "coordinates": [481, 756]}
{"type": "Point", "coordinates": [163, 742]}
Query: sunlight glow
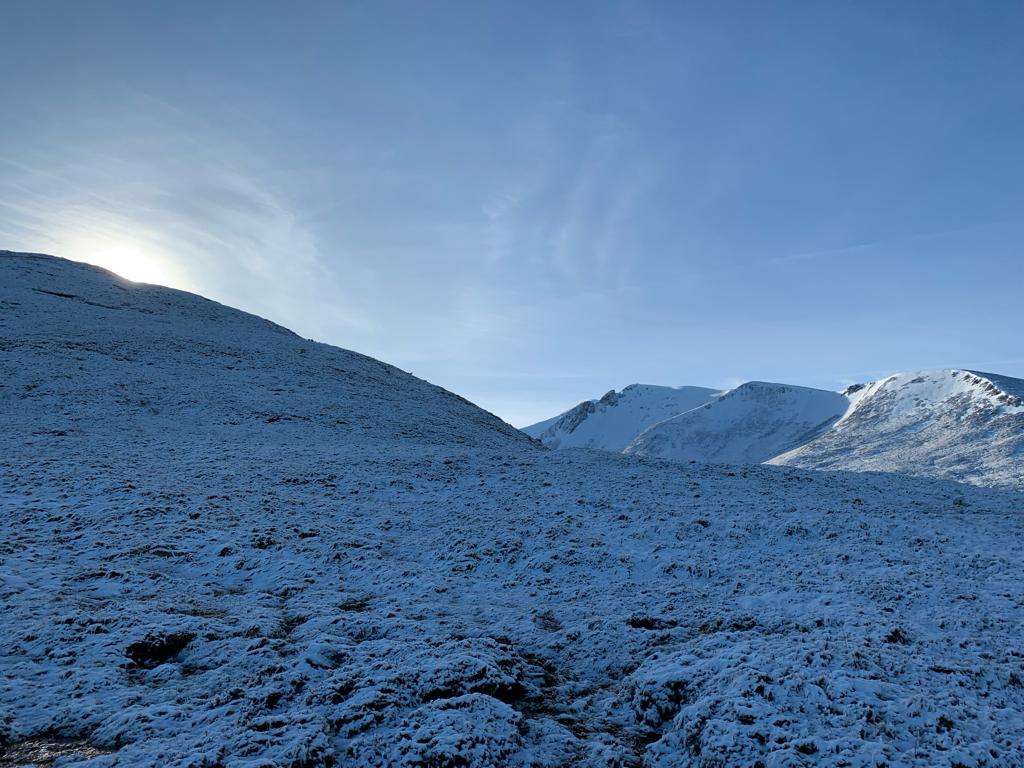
{"type": "Point", "coordinates": [127, 260]}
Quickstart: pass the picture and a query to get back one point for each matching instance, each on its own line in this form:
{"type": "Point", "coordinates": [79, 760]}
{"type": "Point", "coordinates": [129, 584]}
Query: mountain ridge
{"type": "Point", "coordinates": [950, 423]}
{"type": "Point", "coordinates": [968, 426]}
{"type": "Point", "coordinates": [610, 421]}
{"type": "Point", "coordinates": [749, 424]}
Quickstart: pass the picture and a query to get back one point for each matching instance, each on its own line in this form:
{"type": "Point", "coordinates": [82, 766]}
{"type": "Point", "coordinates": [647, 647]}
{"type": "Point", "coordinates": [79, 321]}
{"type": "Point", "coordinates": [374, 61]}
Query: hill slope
{"type": "Point", "coordinates": [956, 424]}
{"type": "Point", "coordinates": [612, 422]}
{"type": "Point", "coordinates": [221, 545]}
{"type": "Point", "coordinates": [93, 356]}
{"type": "Point", "coordinates": [746, 425]}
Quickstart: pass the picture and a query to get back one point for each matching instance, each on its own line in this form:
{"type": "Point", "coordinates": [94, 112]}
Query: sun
{"type": "Point", "coordinates": [129, 254]}
{"type": "Point", "coordinates": [126, 260]}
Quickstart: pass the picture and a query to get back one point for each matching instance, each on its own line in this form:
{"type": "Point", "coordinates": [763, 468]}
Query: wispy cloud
{"type": "Point", "coordinates": [193, 199]}
{"type": "Point", "coordinates": [566, 209]}
{"type": "Point", "coordinates": [874, 244]}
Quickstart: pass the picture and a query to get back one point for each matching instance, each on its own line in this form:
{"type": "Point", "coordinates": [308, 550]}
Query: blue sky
{"type": "Point", "coordinates": [532, 203]}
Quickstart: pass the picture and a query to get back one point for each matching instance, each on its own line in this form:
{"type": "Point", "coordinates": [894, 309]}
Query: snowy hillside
{"type": "Point", "coordinates": [612, 422]}
{"type": "Point", "coordinates": [222, 545]}
{"type": "Point", "coordinates": [89, 356]}
{"type": "Point", "coordinates": [954, 424]}
{"type": "Point", "coordinates": [746, 425]}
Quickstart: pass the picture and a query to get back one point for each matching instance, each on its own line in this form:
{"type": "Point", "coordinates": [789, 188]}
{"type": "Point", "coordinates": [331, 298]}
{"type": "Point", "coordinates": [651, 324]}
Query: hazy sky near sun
{"type": "Point", "coordinates": [533, 202]}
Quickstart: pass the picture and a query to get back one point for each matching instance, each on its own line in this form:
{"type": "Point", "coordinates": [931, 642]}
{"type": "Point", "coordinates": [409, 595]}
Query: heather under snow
{"type": "Point", "coordinates": [225, 545]}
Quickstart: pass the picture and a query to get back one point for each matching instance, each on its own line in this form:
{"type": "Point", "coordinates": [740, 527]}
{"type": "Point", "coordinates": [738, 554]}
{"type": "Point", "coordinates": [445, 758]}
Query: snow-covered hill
{"type": "Point", "coordinates": [747, 425]}
{"type": "Point", "coordinates": [614, 421]}
{"type": "Point", "coordinates": [223, 545]}
{"type": "Point", "coordinates": [955, 424]}
{"type": "Point", "coordinates": [89, 356]}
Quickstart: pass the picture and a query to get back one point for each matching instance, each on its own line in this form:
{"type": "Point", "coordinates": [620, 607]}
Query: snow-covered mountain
{"type": "Point", "coordinates": [952, 424]}
{"type": "Point", "coordinates": [614, 421]}
{"type": "Point", "coordinates": [956, 424]}
{"type": "Point", "coordinates": [747, 425]}
{"type": "Point", "coordinates": [224, 545]}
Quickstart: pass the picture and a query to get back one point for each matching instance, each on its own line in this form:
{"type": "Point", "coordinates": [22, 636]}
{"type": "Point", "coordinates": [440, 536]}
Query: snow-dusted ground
{"type": "Point", "coordinates": [223, 545]}
{"type": "Point", "coordinates": [614, 421]}
{"type": "Point", "coordinates": [747, 425]}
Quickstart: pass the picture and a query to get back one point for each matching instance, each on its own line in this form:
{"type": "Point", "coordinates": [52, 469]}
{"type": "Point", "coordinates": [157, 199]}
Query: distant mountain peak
{"type": "Point", "coordinates": [949, 423]}
{"type": "Point", "coordinates": [613, 421]}
{"type": "Point", "coordinates": [748, 424]}
{"type": "Point", "coordinates": [952, 423]}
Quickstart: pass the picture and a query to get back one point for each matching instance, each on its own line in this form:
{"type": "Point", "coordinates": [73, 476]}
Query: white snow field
{"type": "Point", "coordinates": [614, 421]}
{"type": "Point", "coordinates": [222, 545]}
{"type": "Point", "coordinates": [747, 425]}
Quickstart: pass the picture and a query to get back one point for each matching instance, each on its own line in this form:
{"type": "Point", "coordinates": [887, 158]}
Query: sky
{"type": "Point", "coordinates": [531, 203]}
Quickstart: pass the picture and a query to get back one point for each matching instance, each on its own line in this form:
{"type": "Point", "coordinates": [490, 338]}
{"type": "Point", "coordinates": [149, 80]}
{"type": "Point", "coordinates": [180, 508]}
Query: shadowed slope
{"type": "Point", "coordinates": [84, 352]}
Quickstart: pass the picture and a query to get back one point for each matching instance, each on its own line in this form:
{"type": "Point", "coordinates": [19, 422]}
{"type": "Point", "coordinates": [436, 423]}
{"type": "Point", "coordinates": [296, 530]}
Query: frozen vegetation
{"type": "Point", "coordinates": [224, 545]}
